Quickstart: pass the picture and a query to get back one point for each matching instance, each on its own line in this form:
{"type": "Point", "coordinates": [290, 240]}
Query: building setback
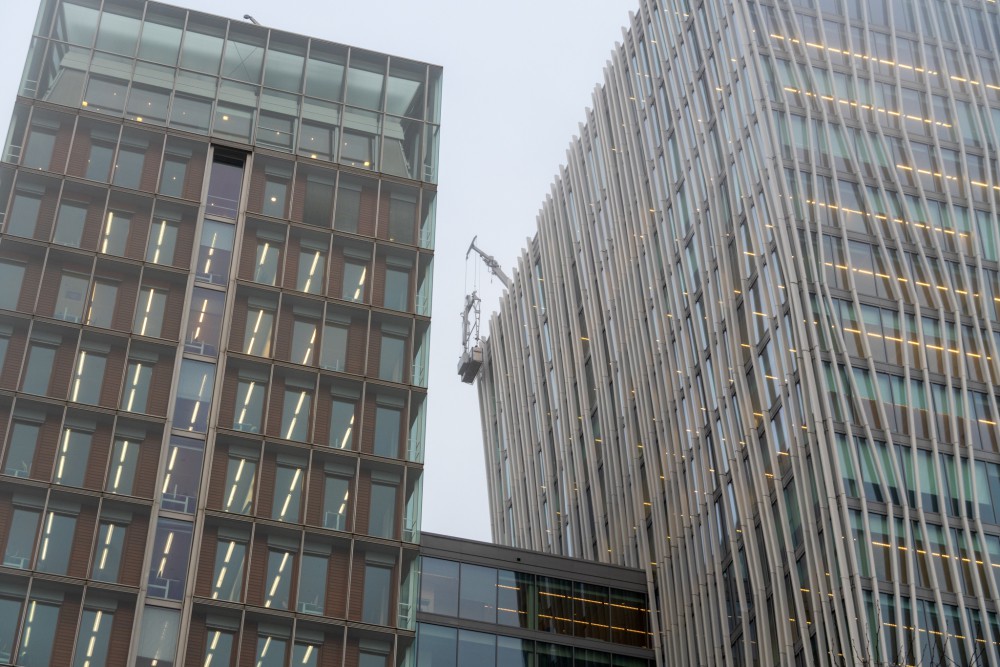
{"type": "Point", "coordinates": [754, 345]}
{"type": "Point", "coordinates": [216, 262]}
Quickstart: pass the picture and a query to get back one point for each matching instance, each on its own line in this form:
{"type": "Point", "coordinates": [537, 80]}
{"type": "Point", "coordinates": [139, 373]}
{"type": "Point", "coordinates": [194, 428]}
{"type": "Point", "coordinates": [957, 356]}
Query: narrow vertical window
{"type": "Point", "coordinates": [194, 395]}
{"type": "Point", "coordinates": [249, 405]}
{"type": "Point", "coordinates": [215, 252]}
{"type": "Point", "coordinates": [355, 274]}
{"type": "Point", "coordinates": [312, 267]}
{"type": "Point", "coordinates": [182, 477]}
{"type": "Point", "coordinates": [124, 458]}
{"type": "Point", "coordinates": [257, 338]}
{"type": "Point", "coordinates": [38, 634]}
{"type": "Point", "coordinates": [168, 566]}
{"type": "Point", "coordinates": [70, 298]}
{"type": "Point", "coordinates": [224, 186]}
{"type": "Point", "coordinates": [103, 297]}
{"type": "Point", "coordinates": [21, 449]}
{"type": "Point", "coordinates": [21, 538]}
{"type": "Point", "coordinates": [108, 551]}
{"type": "Point", "coordinates": [204, 327]}
{"type": "Point", "coordinates": [149, 312]}
{"type": "Point", "coordinates": [38, 369]}
{"type": "Point", "coordinates": [334, 354]}
{"type": "Point", "coordinates": [114, 238]}
{"type": "Point", "coordinates": [312, 584]}
{"type": "Point", "coordinates": [287, 493]}
{"type": "Point", "coordinates": [295, 414]}
{"type": "Point", "coordinates": [88, 377]}
{"type": "Point", "coordinates": [336, 502]}
{"type": "Point", "coordinates": [162, 242]}
{"type": "Point", "coordinates": [342, 414]}
{"type": "Point", "coordinates": [71, 462]}
{"type": "Point", "coordinates": [227, 583]}
{"type": "Point", "coordinates": [240, 476]}
{"type": "Point", "coordinates": [56, 543]}
{"type": "Point", "coordinates": [278, 581]}
{"type": "Point", "coordinates": [138, 377]}
{"type": "Point", "coordinates": [93, 639]}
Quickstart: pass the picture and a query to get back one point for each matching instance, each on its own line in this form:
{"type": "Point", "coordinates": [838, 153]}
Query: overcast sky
{"type": "Point", "coordinates": [517, 78]}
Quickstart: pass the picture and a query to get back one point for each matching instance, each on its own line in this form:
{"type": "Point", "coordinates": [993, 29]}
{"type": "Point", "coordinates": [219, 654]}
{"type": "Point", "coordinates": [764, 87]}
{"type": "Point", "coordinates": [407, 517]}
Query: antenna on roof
{"type": "Point", "coordinates": [251, 19]}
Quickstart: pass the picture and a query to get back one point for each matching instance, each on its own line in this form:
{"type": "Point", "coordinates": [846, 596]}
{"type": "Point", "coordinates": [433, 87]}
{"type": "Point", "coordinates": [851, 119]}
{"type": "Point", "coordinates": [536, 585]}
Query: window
{"type": "Point", "coordinates": [377, 594]}
{"type": "Point", "coordinates": [10, 274]}
{"type": "Point", "coordinates": [10, 612]}
{"type": "Point", "coordinates": [312, 584]}
{"type": "Point", "coordinates": [334, 354]}
{"type": "Point", "coordinates": [108, 552]}
{"type": "Point", "coordinates": [124, 458]}
{"type": "Point", "coordinates": [88, 376]}
{"type": "Point", "coordinates": [92, 642]}
{"type": "Point", "coordinates": [387, 425]}
{"type": "Point", "coordinates": [478, 649]}
{"type": "Point", "coordinates": [275, 194]}
{"type": "Point", "coordinates": [215, 252]}
{"type": "Point", "coordinates": [397, 289]}
{"type": "Point", "coordinates": [257, 337]}
{"type": "Point", "coordinates": [392, 358]}
{"type": "Point", "coordinates": [36, 373]}
{"type": "Point", "coordinates": [295, 414]}
{"type": "Point", "coordinates": [249, 405]}
{"type": "Point", "coordinates": [287, 493]}
{"type": "Point", "coordinates": [355, 274]}
{"type": "Point", "coordinates": [21, 449]}
{"type": "Point", "coordinates": [138, 377]}
{"type": "Point", "coordinates": [128, 168]}
{"type": "Point", "coordinates": [149, 313]}
{"type": "Point", "coordinates": [114, 239]}
{"type": "Point", "coordinates": [382, 518]}
{"type": "Point", "coordinates": [99, 161]}
{"type": "Point", "coordinates": [69, 300]}
{"type": "Point", "coordinates": [194, 395]}
{"type": "Point", "coordinates": [168, 565]}
{"type": "Point", "coordinates": [240, 475]}
{"type": "Point", "coordinates": [266, 264]}
{"type": "Point", "coordinates": [342, 423]}
{"type": "Point", "coordinates": [312, 266]}
{"type": "Point", "coordinates": [172, 176]}
{"type": "Point", "coordinates": [224, 185]}
{"type": "Point", "coordinates": [69, 224]}
{"type": "Point", "coordinates": [227, 584]}
{"type": "Point", "coordinates": [106, 95]}
{"type": "Point", "coordinates": [271, 651]}
{"type": "Point", "coordinates": [23, 214]}
{"type": "Point", "coordinates": [21, 538]}
{"type": "Point", "coordinates": [358, 148]}
{"type": "Point", "coordinates": [319, 193]}
{"type": "Point", "coordinates": [372, 659]}
{"type": "Point", "coordinates": [103, 297]}
{"type": "Point", "coordinates": [278, 583]}
{"type": "Point", "coordinates": [158, 637]}
{"type": "Point", "coordinates": [204, 321]}
{"type": "Point", "coordinates": [183, 475]}
{"type": "Point", "coordinates": [402, 214]}
{"type": "Point", "coordinates": [336, 502]}
{"type": "Point", "coordinates": [71, 462]}
{"type": "Point", "coordinates": [348, 208]}
{"type": "Point", "coordinates": [477, 599]}
{"type": "Point", "coordinates": [219, 648]}
{"type": "Point", "coordinates": [439, 586]}
{"type": "Point", "coordinates": [303, 341]}
{"type": "Point", "coordinates": [38, 152]}
{"type": "Point", "coordinates": [162, 242]}
{"type": "Point", "coordinates": [305, 655]}
{"type": "Point", "coordinates": [38, 634]}
{"type": "Point", "coordinates": [437, 646]}
{"type": "Point", "coordinates": [56, 543]}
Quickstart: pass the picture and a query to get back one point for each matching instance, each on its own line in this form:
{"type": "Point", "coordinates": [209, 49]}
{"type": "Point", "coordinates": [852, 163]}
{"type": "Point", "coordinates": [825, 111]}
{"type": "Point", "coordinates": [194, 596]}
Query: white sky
{"type": "Point", "coordinates": [517, 78]}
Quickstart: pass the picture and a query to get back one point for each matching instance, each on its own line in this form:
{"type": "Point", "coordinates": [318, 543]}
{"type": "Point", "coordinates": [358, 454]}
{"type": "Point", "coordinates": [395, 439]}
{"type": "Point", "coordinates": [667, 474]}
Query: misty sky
{"type": "Point", "coordinates": [517, 78]}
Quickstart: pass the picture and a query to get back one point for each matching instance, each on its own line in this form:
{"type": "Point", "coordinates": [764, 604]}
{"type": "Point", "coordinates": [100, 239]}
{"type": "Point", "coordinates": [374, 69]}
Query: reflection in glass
{"type": "Point", "coordinates": [88, 375]}
{"type": "Point", "coordinates": [228, 581]}
{"type": "Point", "coordinates": [342, 423]}
{"type": "Point", "coordinates": [287, 493]}
{"type": "Point", "coordinates": [158, 636]}
{"type": "Point", "coordinates": [476, 649]}
{"type": "Point", "coordinates": [266, 262]}
{"type": "Point", "coordinates": [124, 457]}
{"type": "Point", "coordinates": [249, 406]}
{"type": "Point", "coordinates": [23, 215]}
{"type": "Point", "coordinates": [312, 265]}
{"type": "Point", "coordinates": [271, 651]}
{"type": "Point", "coordinates": [168, 567]}
{"type": "Point", "coordinates": [387, 425]}
{"type": "Point", "coordinates": [93, 639]}
{"type": "Point", "coordinates": [103, 297]}
{"type": "Point", "coordinates": [182, 478]}
{"type": "Point", "coordinates": [162, 242]}
{"type": "Point", "coordinates": [38, 369]}
{"type": "Point", "coordinates": [21, 538]}
{"type": "Point", "coordinates": [382, 515]}
{"type": "Point", "coordinates": [377, 594]}
{"type": "Point", "coordinates": [38, 634]}
{"type": "Point", "coordinates": [278, 582]}
{"type": "Point", "coordinates": [397, 289]}
{"type": "Point", "coordinates": [108, 551]}
{"type": "Point", "coordinates": [392, 358]}
{"type": "Point", "coordinates": [305, 655]}
{"type": "Point", "coordinates": [240, 475]}
{"type": "Point", "coordinates": [303, 341]}
{"type": "Point", "coordinates": [312, 584]}
{"type": "Point", "coordinates": [354, 281]}
{"type": "Point", "coordinates": [258, 331]}
{"type": "Point", "coordinates": [218, 649]}
{"type": "Point", "coordinates": [69, 224]}
{"type": "Point", "coordinates": [21, 449]}
{"type": "Point", "coordinates": [478, 593]}
{"type": "Point", "coordinates": [215, 252]}
{"type": "Point", "coordinates": [138, 377]}
{"type": "Point", "coordinates": [334, 354]}
{"type": "Point", "coordinates": [194, 395]}
{"type": "Point", "coordinates": [204, 322]}
{"type": "Point", "coordinates": [115, 235]}
{"type": "Point", "coordinates": [439, 586]}
{"type": "Point", "coordinates": [71, 462]}
{"type": "Point", "coordinates": [149, 313]}
{"type": "Point", "coordinates": [336, 497]}
{"type": "Point", "coordinates": [70, 299]}
{"type": "Point", "coordinates": [295, 414]}
{"type": "Point", "coordinates": [436, 645]}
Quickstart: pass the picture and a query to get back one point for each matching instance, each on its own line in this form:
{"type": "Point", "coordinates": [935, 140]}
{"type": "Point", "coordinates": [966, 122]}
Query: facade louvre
{"type": "Point", "coordinates": [216, 252]}
{"type": "Point", "coordinates": [754, 345]}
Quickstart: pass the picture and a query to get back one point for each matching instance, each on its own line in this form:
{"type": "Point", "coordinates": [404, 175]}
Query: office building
{"type": "Point", "coordinates": [484, 605]}
{"type": "Point", "coordinates": [216, 257]}
{"type": "Point", "coordinates": [755, 343]}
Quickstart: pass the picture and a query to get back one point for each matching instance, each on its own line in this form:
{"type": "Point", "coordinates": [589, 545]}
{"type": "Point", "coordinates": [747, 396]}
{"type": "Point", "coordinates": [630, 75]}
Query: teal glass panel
{"type": "Point", "coordinates": [244, 57]}
{"type": "Point", "coordinates": [202, 45]}
{"type": "Point", "coordinates": [285, 62]}
{"type": "Point", "coordinates": [161, 34]}
{"type": "Point", "coordinates": [365, 80]}
{"type": "Point", "coordinates": [60, 76]}
{"type": "Point", "coordinates": [278, 113]}
{"type": "Point", "coordinates": [325, 71]}
{"type": "Point", "coordinates": [234, 111]}
{"type": "Point", "coordinates": [76, 22]}
{"type": "Point", "coordinates": [405, 89]}
{"type": "Point", "coordinates": [320, 128]}
{"type": "Point", "coordinates": [192, 107]}
{"type": "Point", "coordinates": [119, 30]}
{"type": "Point", "coordinates": [150, 94]}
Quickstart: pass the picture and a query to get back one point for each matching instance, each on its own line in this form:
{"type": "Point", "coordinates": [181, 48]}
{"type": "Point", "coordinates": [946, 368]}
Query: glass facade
{"type": "Point", "coordinates": [187, 407]}
{"type": "Point", "coordinates": [776, 321]}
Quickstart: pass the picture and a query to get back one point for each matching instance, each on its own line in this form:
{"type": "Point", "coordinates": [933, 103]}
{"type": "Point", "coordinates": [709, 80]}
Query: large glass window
{"type": "Point", "coordinates": [71, 461]}
{"type": "Point", "coordinates": [103, 298]}
{"type": "Point", "coordinates": [124, 458]}
{"type": "Point", "coordinates": [172, 176]}
{"type": "Point", "coordinates": [478, 649]}
{"type": "Point", "coordinates": [388, 421]}
{"type": "Point", "coordinates": [436, 645]}
{"type": "Point", "coordinates": [312, 584]}
{"type": "Point", "coordinates": [71, 297]}
{"type": "Point", "coordinates": [334, 354]}
{"type": "Point", "coordinates": [382, 517]}
{"type": "Point", "coordinates": [194, 395]}
{"type": "Point", "coordinates": [318, 204]}
{"type": "Point", "coordinates": [305, 655]}
{"type": "Point", "coordinates": [93, 638]}
{"type": "Point", "coordinates": [554, 604]}
{"type": "Point", "coordinates": [271, 651]}
{"type": "Point", "coordinates": [249, 405]}
{"type": "Point", "coordinates": [336, 502]}
{"type": "Point", "coordinates": [108, 551]}
{"type": "Point", "coordinates": [240, 475]}
{"type": "Point", "coordinates": [182, 477]}
{"type": "Point", "coordinates": [287, 493]}
{"type": "Point", "coordinates": [88, 377]}
{"type": "Point", "coordinates": [295, 414]}
{"type": "Point", "coordinates": [10, 612]}
{"type": "Point", "coordinates": [477, 599]}
{"type": "Point", "coordinates": [204, 327]}
{"type": "Point", "coordinates": [257, 337]}
{"type": "Point", "coordinates": [397, 289]}
{"type": "Point", "coordinates": [149, 312]}
{"type": "Point", "coordinates": [138, 377]}
{"type": "Point", "coordinates": [348, 211]}
{"type": "Point", "coordinates": [215, 252]}
{"type": "Point", "coordinates": [219, 648]}
{"type": "Point", "coordinates": [162, 242]}
{"type": "Point", "coordinates": [128, 167]}
{"type": "Point", "coordinates": [513, 592]}
{"type": "Point", "coordinates": [377, 594]}
{"type": "Point", "coordinates": [38, 152]}
{"type": "Point", "coordinates": [10, 274]}
{"type": "Point", "coordinates": [227, 584]}
{"type": "Point", "coordinates": [38, 368]}
{"type": "Point", "coordinates": [158, 637]}
{"type": "Point", "coordinates": [312, 267]}
{"type": "Point", "coordinates": [38, 635]}
{"type": "Point", "coordinates": [114, 237]}
{"type": "Point", "coordinates": [439, 586]}
{"type": "Point", "coordinates": [355, 274]}
{"type": "Point", "coordinates": [392, 358]}
{"type": "Point", "coordinates": [69, 224]}
{"type": "Point", "coordinates": [21, 538]}
{"type": "Point", "coordinates": [23, 214]}
{"type": "Point", "coordinates": [342, 415]}
{"type": "Point", "coordinates": [278, 583]}
{"type": "Point", "coordinates": [21, 449]}
{"type": "Point", "coordinates": [304, 334]}
{"type": "Point", "coordinates": [224, 185]}
{"type": "Point", "coordinates": [56, 543]}
{"type": "Point", "coordinates": [168, 566]}
{"type": "Point", "coordinates": [266, 262]}
{"type": "Point", "coordinates": [99, 161]}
